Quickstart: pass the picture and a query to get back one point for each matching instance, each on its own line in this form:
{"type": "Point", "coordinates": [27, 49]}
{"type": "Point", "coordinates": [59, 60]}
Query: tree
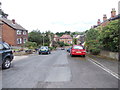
{"type": "Point", "coordinates": [109, 36]}
{"type": "Point", "coordinates": [35, 36]}
{"type": "Point", "coordinates": [92, 41]}
{"type": "Point", "coordinates": [40, 38]}
{"type": "Point", "coordinates": [75, 41]}
{"type": "Point", "coordinates": [61, 44]}
{"type": "Point", "coordinates": [31, 45]}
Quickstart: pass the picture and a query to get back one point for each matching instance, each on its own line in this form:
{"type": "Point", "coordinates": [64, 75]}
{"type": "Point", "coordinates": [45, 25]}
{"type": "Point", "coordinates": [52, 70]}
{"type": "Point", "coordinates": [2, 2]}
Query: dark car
{"type": "Point", "coordinates": [62, 48]}
{"type": "Point", "coordinates": [68, 50]}
{"type": "Point", "coordinates": [44, 50]}
{"type": "Point", "coordinates": [6, 55]}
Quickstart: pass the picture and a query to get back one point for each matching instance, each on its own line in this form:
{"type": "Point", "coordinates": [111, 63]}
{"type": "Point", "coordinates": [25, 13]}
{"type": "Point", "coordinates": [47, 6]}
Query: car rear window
{"type": "Point", "coordinates": [77, 47]}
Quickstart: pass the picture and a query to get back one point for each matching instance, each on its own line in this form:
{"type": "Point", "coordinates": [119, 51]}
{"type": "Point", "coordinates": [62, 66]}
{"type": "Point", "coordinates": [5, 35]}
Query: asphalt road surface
{"type": "Point", "coordinates": [57, 70]}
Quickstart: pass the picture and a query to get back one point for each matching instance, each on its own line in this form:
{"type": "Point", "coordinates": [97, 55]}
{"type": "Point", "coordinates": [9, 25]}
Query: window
{"type": "Point", "coordinates": [24, 32]}
{"type": "Point", "coordinates": [1, 46]}
{"type": "Point", "coordinates": [19, 32]}
{"type": "Point", "coordinates": [24, 40]}
{"type": "Point", "coordinates": [19, 40]}
{"type": "Point", "coordinates": [77, 47]}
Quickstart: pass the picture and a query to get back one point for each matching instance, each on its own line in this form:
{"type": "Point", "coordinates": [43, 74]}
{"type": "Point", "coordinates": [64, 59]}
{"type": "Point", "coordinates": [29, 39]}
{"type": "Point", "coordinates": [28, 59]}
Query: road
{"type": "Point", "coordinates": [57, 70]}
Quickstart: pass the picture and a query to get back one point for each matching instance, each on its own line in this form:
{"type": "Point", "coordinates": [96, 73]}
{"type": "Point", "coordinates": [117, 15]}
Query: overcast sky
{"type": "Point", "coordinates": [58, 15]}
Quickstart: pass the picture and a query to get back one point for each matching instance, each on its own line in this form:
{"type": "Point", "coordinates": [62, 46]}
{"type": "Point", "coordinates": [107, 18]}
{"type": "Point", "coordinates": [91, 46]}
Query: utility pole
{"type": "Point", "coordinates": [43, 38]}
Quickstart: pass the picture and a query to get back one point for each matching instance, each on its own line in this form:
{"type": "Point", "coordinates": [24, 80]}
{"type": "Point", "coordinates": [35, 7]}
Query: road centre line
{"type": "Point", "coordinates": [104, 68]}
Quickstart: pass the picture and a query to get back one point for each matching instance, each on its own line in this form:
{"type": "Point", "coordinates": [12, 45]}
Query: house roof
{"type": "Point", "coordinates": [56, 36]}
{"type": "Point", "coordinates": [65, 37]}
{"type": "Point", "coordinates": [10, 23]}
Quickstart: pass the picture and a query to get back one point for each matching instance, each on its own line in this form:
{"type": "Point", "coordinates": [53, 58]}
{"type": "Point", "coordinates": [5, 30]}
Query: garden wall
{"type": "Point", "coordinates": [113, 55]}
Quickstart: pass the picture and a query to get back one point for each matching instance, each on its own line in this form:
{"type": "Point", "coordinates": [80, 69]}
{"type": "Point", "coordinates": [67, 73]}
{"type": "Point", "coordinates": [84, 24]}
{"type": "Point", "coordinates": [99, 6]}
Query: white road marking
{"type": "Point", "coordinates": [104, 68]}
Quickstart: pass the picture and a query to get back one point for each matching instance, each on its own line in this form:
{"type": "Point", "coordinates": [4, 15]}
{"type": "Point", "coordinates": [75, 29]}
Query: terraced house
{"type": "Point", "coordinates": [106, 20]}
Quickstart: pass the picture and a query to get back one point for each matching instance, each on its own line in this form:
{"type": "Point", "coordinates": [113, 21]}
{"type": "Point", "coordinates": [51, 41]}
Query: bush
{"type": "Point", "coordinates": [52, 48]}
{"type": "Point", "coordinates": [30, 45]}
{"type": "Point", "coordinates": [66, 44]}
{"type": "Point", "coordinates": [94, 51]}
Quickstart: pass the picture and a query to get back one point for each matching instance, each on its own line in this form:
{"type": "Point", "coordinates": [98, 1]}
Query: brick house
{"type": "Point", "coordinates": [13, 33]}
{"type": "Point", "coordinates": [0, 30]}
{"type": "Point", "coordinates": [105, 20]}
{"type": "Point", "coordinates": [66, 39]}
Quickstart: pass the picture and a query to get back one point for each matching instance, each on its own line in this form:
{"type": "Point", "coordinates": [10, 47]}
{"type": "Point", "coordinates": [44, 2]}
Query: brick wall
{"type": "Point", "coordinates": [8, 34]}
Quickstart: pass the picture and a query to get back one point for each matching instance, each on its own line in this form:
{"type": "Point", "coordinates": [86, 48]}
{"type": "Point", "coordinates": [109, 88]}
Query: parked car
{"type": "Point", "coordinates": [68, 50]}
{"type": "Point", "coordinates": [62, 48]}
{"type": "Point", "coordinates": [6, 55]}
{"type": "Point", "coordinates": [44, 50]}
{"type": "Point", "coordinates": [77, 50]}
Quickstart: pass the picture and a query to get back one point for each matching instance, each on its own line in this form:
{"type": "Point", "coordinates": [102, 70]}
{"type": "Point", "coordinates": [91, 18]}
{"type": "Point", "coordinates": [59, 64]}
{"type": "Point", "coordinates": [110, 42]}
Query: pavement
{"type": "Point", "coordinates": [111, 64]}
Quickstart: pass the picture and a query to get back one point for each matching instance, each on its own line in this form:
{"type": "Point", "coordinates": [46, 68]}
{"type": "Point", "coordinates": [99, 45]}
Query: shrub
{"type": "Point", "coordinates": [94, 51]}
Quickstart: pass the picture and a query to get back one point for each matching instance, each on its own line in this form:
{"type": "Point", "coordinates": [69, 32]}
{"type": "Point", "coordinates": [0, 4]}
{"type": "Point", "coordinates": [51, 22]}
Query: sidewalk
{"type": "Point", "coordinates": [23, 56]}
{"type": "Point", "coordinates": [107, 62]}
{"type": "Point", "coordinates": [20, 57]}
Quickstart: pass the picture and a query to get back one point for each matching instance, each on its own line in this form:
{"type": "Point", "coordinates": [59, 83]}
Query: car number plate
{"type": "Point", "coordinates": [78, 52]}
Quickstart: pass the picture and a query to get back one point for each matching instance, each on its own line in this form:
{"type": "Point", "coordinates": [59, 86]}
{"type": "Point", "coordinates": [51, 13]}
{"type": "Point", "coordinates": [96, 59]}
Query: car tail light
{"type": "Point", "coordinates": [73, 51]}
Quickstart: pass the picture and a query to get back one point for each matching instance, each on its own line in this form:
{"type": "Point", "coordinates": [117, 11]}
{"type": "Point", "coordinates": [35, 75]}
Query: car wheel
{"type": "Point", "coordinates": [83, 55]}
{"type": "Point", "coordinates": [71, 55]}
{"type": "Point", "coordinates": [6, 64]}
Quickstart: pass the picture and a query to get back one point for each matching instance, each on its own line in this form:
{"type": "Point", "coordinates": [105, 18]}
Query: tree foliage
{"type": "Point", "coordinates": [109, 36]}
{"type": "Point", "coordinates": [105, 38]}
{"type": "Point", "coordinates": [92, 41]}
{"type": "Point", "coordinates": [31, 45]}
{"type": "Point", "coordinates": [40, 38]}
{"type": "Point", "coordinates": [75, 41]}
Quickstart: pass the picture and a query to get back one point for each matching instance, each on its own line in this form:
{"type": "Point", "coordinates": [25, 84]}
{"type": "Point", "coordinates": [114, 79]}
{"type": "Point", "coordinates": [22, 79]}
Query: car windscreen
{"type": "Point", "coordinates": [77, 47]}
{"type": "Point", "coordinates": [44, 48]}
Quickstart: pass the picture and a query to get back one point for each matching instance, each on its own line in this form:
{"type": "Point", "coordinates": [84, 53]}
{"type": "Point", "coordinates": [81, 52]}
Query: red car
{"type": "Point", "coordinates": [78, 50]}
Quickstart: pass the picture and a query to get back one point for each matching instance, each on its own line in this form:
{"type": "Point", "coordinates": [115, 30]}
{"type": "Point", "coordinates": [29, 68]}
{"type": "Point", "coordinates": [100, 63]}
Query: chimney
{"type": "Point", "coordinates": [13, 21]}
{"type": "Point", "coordinates": [98, 22]}
{"type": "Point", "coordinates": [104, 17]}
{"type": "Point", "coordinates": [113, 13]}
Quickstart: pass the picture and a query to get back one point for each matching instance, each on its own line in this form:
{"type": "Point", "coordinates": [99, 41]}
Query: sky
{"type": "Point", "coordinates": [58, 15]}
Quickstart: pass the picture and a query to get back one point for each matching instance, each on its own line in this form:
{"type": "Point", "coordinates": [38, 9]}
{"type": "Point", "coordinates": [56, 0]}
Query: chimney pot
{"type": "Point", "coordinates": [13, 21]}
{"type": "Point", "coordinates": [113, 13]}
{"type": "Point", "coordinates": [104, 17]}
{"type": "Point", "coordinates": [98, 22]}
